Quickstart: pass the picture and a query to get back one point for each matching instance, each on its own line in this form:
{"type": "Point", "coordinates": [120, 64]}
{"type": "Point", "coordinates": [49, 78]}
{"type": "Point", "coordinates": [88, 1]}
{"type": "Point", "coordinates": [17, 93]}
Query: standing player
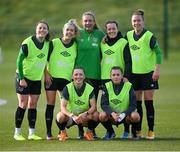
{"type": "Point", "coordinates": [59, 70]}
{"type": "Point", "coordinates": [31, 63]}
{"type": "Point", "coordinates": [146, 59]}
{"type": "Point", "coordinates": [115, 52]}
{"type": "Point", "coordinates": [88, 55]}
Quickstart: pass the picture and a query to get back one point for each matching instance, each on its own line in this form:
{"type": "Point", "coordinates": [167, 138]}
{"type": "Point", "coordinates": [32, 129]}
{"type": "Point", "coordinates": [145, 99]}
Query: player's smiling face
{"type": "Point", "coordinates": [69, 31]}
{"type": "Point", "coordinates": [88, 22]}
{"type": "Point", "coordinates": [41, 31]}
{"type": "Point", "coordinates": [78, 76]}
{"type": "Point", "coordinates": [137, 22]}
{"type": "Point", "coordinates": [111, 30]}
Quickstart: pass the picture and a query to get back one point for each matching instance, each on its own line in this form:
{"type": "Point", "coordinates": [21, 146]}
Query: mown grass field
{"type": "Point", "coordinates": [167, 125]}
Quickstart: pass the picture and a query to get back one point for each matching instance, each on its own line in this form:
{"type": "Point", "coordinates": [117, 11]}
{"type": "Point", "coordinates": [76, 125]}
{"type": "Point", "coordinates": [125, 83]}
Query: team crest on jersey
{"type": "Point", "coordinates": [115, 101]}
{"type": "Point", "coordinates": [79, 102]}
{"type": "Point", "coordinates": [65, 54]}
{"type": "Point", "coordinates": [135, 47]}
{"type": "Point", "coordinates": [109, 52]}
{"type": "Point", "coordinates": [41, 55]}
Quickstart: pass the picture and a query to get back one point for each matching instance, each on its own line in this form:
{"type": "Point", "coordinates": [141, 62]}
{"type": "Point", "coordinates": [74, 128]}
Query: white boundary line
{"type": "Point", "coordinates": [2, 102]}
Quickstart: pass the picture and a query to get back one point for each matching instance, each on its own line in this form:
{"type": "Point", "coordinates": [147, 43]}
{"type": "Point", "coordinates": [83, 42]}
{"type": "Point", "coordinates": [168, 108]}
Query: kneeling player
{"type": "Point", "coordinates": [78, 106]}
{"type": "Point", "coordinates": [118, 103]}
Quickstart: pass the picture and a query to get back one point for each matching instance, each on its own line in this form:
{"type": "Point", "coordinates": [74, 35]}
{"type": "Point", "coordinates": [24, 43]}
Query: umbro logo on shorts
{"type": "Point", "coordinates": [20, 88]}
{"type": "Point", "coordinates": [152, 85]}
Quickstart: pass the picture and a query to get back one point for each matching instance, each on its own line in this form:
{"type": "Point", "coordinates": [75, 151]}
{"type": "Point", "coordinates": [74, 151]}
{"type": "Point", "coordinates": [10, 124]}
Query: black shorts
{"type": "Point", "coordinates": [57, 84]}
{"type": "Point", "coordinates": [33, 87]}
{"type": "Point", "coordinates": [143, 82]}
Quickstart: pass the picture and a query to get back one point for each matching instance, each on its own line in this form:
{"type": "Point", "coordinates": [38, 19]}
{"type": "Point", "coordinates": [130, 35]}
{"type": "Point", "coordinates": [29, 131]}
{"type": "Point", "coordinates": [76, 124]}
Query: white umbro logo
{"type": "Point", "coordinates": [103, 92]}
{"type": "Point", "coordinates": [152, 85]}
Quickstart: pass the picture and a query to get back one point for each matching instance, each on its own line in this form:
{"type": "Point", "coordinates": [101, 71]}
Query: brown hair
{"type": "Point", "coordinates": [139, 12]}
{"type": "Point", "coordinates": [47, 38]}
{"type": "Point", "coordinates": [117, 68]}
{"type": "Point", "coordinates": [79, 67]}
{"type": "Point", "coordinates": [109, 22]}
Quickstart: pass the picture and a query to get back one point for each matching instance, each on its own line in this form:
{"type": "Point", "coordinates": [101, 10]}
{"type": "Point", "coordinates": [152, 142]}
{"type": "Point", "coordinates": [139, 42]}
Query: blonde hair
{"type": "Point", "coordinates": [74, 24]}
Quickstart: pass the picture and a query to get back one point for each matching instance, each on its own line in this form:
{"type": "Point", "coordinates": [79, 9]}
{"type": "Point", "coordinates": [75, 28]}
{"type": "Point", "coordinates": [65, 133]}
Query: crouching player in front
{"type": "Point", "coordinates": [118, 103]}
{"type": "Point", "coordinates": [78, 106]}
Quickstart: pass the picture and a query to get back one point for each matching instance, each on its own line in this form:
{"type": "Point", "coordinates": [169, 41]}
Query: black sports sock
{"type": "Point", "coordinates": [95, 124]}
{"type": "Point", "coordinates": [134, 129]}
{"type": "Point", "coordinates": [32, 114]}
{"type": "Point", "coordinates": [126, 127]}
{"type": "Point", "coordinates": [49, 117]}
{"type": "Point", "coordinates": [61, 126]}
{"type": "Point", "coordinates": [140, 111]}
{"type": "Point", "coordinates": [92, 124]}
{"type": "Point", "coordinates": [80, 130]}
{"type": "Point", "coordinates": [108, 126]}
{"type": "Point", "coordinates": [150, 113]}
{"type": "Point", "coordinates": [19, 115]}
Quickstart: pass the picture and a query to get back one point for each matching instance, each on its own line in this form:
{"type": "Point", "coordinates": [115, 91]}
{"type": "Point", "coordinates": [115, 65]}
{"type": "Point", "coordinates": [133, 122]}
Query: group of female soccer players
{"type": "Point", "coordinates": [137, 54]}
